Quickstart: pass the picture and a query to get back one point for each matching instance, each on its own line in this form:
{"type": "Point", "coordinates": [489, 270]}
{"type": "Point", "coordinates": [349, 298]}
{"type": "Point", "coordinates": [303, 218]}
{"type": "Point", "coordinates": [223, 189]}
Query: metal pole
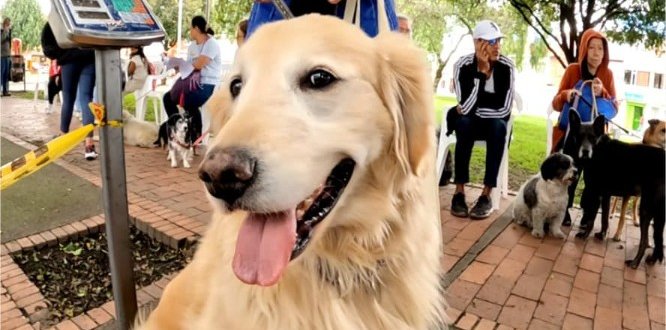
{"type": "Point", "coordinates": [114, 187]}
{"type": "Point", "coordinates": [180, 26]}
{"type": "Point", "coordinates": [208, 10]}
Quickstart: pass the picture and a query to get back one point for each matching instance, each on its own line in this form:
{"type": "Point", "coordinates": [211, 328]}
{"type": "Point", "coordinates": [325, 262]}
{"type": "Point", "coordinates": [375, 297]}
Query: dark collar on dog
{"type": "Point", "coordinates": [186, 146]}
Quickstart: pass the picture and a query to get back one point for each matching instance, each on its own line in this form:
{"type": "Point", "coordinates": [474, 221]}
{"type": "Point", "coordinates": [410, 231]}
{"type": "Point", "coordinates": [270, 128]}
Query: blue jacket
{"type": "Point", "coordinates": [267, 12]}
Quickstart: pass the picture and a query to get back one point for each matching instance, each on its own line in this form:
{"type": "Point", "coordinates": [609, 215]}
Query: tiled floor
{"type": "Point", "coordinates": [509, 281]}
{"type": "Point", "coordinates": [523, 282]}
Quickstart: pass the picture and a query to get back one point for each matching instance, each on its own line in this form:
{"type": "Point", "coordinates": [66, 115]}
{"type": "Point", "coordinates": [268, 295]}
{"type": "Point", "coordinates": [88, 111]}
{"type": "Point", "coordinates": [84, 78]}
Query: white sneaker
{"type": "Point", "coordinates": [90, 153]}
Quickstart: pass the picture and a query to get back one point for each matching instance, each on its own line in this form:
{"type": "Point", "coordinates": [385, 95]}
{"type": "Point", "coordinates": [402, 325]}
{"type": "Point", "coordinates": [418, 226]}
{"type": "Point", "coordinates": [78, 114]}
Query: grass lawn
{"type": "Point", "coordinates": [129, 103]}
{"type": "Point", "coordinates": [442, 104]}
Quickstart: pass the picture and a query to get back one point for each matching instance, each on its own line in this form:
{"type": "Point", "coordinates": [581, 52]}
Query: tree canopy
{"type": "Point", "coordinates": [167, 12]}
{"type": "Point", "coordinates": [227, 14]}
{"type": "Point", "coordinates": [27, 21]}
{"type": "Point", "coordinates": [627, 21]}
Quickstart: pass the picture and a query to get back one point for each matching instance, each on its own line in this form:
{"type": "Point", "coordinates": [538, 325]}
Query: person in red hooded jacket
{"type": "Point", "coordinates": [592, 64]}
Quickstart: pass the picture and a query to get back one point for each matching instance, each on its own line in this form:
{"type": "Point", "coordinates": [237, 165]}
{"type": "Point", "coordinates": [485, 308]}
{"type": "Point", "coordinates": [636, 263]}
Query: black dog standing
{"type": "Point", "coordinates": [616, 168]}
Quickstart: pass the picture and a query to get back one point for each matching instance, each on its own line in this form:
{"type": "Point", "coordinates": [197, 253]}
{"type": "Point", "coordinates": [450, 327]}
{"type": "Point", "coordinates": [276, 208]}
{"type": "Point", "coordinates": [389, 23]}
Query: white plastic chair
{"type": "Point", "coordinates": [551, 120]}
{"type": "Point", "coordinates": [502, 189]}
{"type": "Point", "coordinates": [149, 89]}
{"type": "Point", "coordinates": [205, 115]}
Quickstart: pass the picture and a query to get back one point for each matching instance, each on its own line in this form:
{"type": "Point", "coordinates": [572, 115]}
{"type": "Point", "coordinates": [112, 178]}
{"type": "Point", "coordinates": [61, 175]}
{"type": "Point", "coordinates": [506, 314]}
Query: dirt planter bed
{"type": "Point", "coordinates": [74, 276]}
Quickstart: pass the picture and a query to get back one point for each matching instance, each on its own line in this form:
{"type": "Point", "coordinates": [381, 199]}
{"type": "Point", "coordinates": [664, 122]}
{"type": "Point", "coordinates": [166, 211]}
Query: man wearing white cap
{"type": "Point", "coordinates": [484, 89]}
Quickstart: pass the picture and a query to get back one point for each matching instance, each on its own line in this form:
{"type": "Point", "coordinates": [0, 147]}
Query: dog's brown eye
{"type": "Point", "coordinates": [318, 79]}
{"type": "Point", "coordinates": [235, 87]}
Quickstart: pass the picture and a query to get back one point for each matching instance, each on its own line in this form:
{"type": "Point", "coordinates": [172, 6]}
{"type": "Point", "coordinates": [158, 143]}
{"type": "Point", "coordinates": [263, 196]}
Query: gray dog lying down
{"type": "Point", "coordinates": [543, 198]}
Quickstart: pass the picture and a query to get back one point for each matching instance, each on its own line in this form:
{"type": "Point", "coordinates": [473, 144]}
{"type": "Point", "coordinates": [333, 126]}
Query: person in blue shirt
{"type": "Point", "coordinates": [264, 11]}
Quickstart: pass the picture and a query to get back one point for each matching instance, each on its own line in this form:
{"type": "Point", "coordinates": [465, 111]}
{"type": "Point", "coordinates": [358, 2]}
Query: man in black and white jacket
{"type": "Point", "coordinates": [484, 83]}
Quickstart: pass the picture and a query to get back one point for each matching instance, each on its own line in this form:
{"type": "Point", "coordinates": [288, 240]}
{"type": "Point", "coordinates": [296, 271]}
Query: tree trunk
{"type": "Point", "coordinates": [438, 73]}
{"type": "Point", "coordinates": [442, 63]}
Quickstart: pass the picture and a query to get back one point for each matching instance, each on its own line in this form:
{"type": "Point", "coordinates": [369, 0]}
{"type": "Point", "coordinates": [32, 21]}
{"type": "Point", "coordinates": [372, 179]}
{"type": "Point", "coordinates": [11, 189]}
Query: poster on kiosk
{"type": "Point", "coordinates": [106, 26]}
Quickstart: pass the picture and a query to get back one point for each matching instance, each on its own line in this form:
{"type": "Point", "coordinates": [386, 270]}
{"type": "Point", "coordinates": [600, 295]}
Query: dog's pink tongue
{"type": "Point", "coordinates": [264, 246]}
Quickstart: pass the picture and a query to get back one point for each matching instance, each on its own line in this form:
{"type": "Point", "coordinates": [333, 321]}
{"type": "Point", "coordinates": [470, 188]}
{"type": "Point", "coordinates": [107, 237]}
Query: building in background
{"type": "Point", "coordinates": [642, 75]}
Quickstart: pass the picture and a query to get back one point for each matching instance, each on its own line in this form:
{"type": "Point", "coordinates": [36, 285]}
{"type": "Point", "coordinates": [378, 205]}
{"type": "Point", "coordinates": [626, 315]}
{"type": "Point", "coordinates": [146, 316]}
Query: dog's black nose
{"type": "Point", "coordinates": [227, 173]}
{"type": "Point", "coordinates": [586, 153]}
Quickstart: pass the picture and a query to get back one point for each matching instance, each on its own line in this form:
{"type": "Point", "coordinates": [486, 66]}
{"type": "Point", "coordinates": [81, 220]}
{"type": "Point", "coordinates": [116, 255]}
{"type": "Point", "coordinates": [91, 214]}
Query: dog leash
{"type": "Point", "coordinates": [283, 9]}
{"type": "Point", "coordinates": [595, 112]}
{"type": "Point", "coordinates": [608, 120]}
{"type": "Point", "coordinates": [626, 131]}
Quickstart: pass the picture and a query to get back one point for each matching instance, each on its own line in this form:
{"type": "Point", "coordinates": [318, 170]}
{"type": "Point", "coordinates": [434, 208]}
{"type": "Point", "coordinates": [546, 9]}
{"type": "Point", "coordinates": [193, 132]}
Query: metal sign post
{"type": "Point", "coordinates": [114, 187]}
{"type": "Point", "coordinates": [106, 26]}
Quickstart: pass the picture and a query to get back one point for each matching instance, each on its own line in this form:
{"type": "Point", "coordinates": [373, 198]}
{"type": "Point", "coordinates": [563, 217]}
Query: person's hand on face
{"type": "Point", "coordinates": [483, 57]}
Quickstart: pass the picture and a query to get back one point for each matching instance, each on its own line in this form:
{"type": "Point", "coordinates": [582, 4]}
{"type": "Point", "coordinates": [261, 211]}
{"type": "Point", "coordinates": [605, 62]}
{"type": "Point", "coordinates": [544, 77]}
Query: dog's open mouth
{"type": "Point", "coordinates": [267, 242]}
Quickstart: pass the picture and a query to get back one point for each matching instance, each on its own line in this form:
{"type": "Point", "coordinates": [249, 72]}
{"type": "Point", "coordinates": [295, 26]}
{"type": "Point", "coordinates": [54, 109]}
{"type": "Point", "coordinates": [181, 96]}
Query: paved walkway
{"type": "Point", "coordinates": [498, 275]}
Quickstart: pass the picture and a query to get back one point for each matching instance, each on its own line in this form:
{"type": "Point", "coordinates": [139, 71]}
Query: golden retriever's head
{"type": "Point", "coordinates": [311, 106]}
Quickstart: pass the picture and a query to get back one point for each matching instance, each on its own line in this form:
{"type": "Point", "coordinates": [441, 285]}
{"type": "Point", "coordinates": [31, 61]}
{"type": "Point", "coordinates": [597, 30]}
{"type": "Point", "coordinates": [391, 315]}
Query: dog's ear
{"type": "Point", "coordinates": [173, 119]}
{"type": "Point", "coordinates": [549, 167]}
{"type": "Point", "coordinates": [574, 121]}
{"type": "Point", "coordinates": [407, 91]}
{"type": "Point", "coordinates": [217, 107]}
{"type": "Point", "coordinates": [599, 125]}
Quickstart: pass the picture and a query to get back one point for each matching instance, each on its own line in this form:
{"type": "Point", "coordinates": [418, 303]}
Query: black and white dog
{"type": "Point", "coordinates": [176, 133]}
{"type": "Point", "coordinates": [543, 198]}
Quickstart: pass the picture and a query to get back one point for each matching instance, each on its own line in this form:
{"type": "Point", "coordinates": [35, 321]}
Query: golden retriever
{"type": "Point", "coordinates": [322, 178]}
{"type": "Point", "coordinates": [137, 132]}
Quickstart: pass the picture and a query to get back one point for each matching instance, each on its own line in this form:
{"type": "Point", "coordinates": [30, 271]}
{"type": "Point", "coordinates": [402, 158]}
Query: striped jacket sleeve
{"type": "Point", "coordinates": [467, 84]}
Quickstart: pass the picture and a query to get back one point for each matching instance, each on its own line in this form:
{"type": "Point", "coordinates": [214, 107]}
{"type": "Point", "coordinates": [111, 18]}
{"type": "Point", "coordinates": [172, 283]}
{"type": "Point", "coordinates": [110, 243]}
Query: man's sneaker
{"type": "Point", "coordinates": [458, 206]}
{"type": "Point", "coordinates": [482, 208]}
{"type": "Point", "coordinates": [90, 153]}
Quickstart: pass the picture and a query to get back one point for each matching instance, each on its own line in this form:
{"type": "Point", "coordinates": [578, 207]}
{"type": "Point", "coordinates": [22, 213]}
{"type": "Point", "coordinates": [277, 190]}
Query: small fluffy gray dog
{"type": "Point", "coordinates": [543, 198]}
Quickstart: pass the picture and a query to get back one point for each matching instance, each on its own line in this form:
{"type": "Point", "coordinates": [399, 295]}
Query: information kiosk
{"type": "Point", "coordinates": [107, 26]}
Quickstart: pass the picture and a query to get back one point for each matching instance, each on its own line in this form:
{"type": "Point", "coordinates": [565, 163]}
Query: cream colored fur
{"type": "Point", "coordinates": [138, 132]}
{"type": "Point", "coordinates": [374, 262]}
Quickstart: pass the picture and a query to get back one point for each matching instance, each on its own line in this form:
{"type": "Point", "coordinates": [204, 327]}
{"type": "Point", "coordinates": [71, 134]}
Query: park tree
{"type": "Point", "coordinates": [167, 12]}
{"type": "Point", "coordinates": [538, 51]}
{"type": "Point", "coordinates": [227, 13]}
{"type": "Point", "coordinates": [27, 21]}
{"type": "Point", "coordinates": [626, 21]}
